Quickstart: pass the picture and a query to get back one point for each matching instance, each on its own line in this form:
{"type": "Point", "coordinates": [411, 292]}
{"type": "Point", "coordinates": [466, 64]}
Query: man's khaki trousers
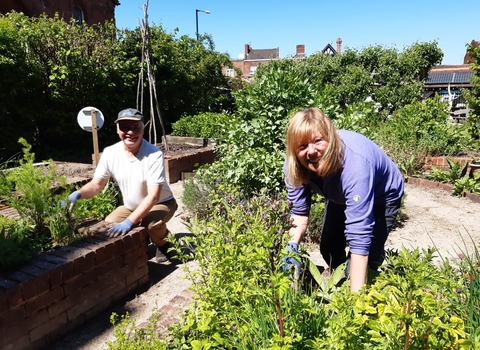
{"type": "Point", "coordinates": [155, 221]}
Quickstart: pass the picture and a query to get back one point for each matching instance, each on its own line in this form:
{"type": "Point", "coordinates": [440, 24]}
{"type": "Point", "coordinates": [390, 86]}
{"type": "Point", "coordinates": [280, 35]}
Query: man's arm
{"type": "Point", "coordinates": [92, 188]}
{"type": "Point", "coordinates": [152, 198]}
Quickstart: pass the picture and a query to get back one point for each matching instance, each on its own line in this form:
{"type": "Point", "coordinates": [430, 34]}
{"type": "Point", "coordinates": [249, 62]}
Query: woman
{"type": "Point", "coordinates": [362, 185]}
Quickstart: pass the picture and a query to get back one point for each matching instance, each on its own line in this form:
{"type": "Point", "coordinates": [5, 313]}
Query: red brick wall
{"type": "Point", "coordinates": [185, 163]}
{"type": "Point", "coordinates": [60, 290]}
{"type": "Point", "coordinates": [94, 11]}
{"type": "Point", "coordinates": [442, 163]}
{"type": "Point", "coordinates": [175, 166]}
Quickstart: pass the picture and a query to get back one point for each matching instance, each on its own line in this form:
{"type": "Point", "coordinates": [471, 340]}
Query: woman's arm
{"type": "Point", "coordinates": [299, 227]}
{"type": "Point", "coordinates": [358, 271]}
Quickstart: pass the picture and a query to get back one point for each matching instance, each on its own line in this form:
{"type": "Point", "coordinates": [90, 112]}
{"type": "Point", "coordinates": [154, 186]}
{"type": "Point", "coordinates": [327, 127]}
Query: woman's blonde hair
{"type": "Point", "coordinates": [301, 127]}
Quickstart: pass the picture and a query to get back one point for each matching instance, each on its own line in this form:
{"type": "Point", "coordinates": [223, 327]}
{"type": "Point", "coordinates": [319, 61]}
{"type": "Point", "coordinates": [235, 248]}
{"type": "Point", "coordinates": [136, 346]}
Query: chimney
{"type": "Point", "coordinates": [247, 50]}
{"type": "Point", "coordinates": [339, 45]}
{"type": "Point", "coordinates": [300, 50]}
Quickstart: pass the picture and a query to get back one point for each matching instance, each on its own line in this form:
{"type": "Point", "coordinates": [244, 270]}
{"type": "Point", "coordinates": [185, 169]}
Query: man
{"type": "Point", "coordinates": [139, 169]}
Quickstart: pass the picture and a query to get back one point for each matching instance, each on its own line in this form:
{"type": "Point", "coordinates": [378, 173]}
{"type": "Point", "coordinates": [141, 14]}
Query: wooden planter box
{"type": "Point", "coordinates": [200, 141]}
{"type": "Point", "coordinates": [62, 289]}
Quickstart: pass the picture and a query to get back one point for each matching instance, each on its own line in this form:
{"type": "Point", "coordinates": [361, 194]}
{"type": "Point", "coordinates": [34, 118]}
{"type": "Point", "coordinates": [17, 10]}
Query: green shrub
{"type": "Point", "coordinates": [420, 130]}
{"type": "Point", "coordinates": [130, 337]}
{"type": "Point", "coordinates": [32, 195]}
{"type": "Point", "coordinates": [315, 219]}
{"type": "Point", "coordinates": [413, 304]}
{"type": "Point", "coordinates": [14, 243]}
{"type": "Point", "coordinates": [206, 125]}
{"type": "Point", "coordinates": [44, 223]}
{"type": "Point", "coordinates": [99, 206]}
{"type": "Point", "coordinates": [455, 171]}
{"type": "Point", "coordinates": [244, 300]}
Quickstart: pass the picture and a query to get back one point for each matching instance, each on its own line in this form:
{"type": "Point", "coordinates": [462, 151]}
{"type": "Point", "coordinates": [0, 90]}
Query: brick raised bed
{"type": "Point", "coordinates": [175, 166]}
{"type": "Point", "coordinates": [186, 163]}
{"type": "Point", "coordinates": [62, 289]}
{"type": "Point", "coordinates": [443, 186]}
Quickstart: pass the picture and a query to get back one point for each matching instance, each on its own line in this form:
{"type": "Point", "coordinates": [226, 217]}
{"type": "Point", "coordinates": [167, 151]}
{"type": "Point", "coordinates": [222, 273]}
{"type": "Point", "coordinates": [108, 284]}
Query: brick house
{"type": "Point", "coordinates": [88, 11]}
{"type": "Point", "coordinates": [249, 61]}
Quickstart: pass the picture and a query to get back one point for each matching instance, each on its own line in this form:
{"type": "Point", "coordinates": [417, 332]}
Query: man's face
{"type": "Point", "coordinates": [130, 132]}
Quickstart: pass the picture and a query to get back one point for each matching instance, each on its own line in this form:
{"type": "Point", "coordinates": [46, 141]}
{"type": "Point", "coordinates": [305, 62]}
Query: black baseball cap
{"type": "Point", "coordinates": [129, 114]}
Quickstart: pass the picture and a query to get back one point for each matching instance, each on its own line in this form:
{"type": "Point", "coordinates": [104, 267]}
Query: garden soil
{"type": "Point", "coordinates": [430, 217]}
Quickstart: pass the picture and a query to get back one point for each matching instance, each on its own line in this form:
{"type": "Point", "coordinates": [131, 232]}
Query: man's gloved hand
{"type": "Point", "coordinates": [290, 262]}
{"type": "Point", "coordinates": [72, 199]}
{"type": "Point", "coordinates": [121, 228]}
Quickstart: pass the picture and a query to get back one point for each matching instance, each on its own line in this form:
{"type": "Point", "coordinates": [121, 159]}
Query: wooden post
{"type": "Point", "coordinates": [93, 113]}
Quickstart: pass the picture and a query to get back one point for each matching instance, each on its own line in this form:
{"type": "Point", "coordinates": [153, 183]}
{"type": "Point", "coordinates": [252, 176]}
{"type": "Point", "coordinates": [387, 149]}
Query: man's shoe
{"type": "Point", "coordinates": [160, 257]}
{"type": "Point", "coordinates": [163, 254]}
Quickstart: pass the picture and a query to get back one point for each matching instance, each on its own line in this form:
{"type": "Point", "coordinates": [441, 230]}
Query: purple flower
{"type": "Point", "coordinates": [461, 256]}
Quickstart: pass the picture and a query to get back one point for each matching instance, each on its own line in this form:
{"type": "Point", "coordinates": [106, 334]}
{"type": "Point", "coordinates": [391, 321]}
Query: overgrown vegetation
{"type": "Point", "coordinates": [206, 125]}
{"type": "Point", "coordinates": [244, 300]}
{"type": "Point", "coordinates": [35, 191]}
{"type": "Point", "coordinates": [60, 67]}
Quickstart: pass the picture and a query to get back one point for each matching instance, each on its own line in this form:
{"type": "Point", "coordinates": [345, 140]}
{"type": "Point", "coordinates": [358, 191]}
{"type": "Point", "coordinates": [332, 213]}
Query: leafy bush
{"type": "Point", "coordinates": [418, 130]}
{"type": "Point", "coordinates": [36, 192]}
{"type": "Point", "coordinates": [99, 206]}
{"type": "Point", "coordinates": [14, 243]}
{"type": "Point", "coordinates": [130, 337]}
{"type": "Point", "coordinates": [413, 304]}
{"type": "Point", "coordinates": [456, 175]}
{"type": "Point", "coordinates": [244, 300]}
{"type": "Point", "coordinates": [32, 194]}
{"type": "Point", "coordinates": [206, 125]}
{"type": "Point", "coordinates": [455, 171]}
{"type": "Point", "coordinates": [252, 150]}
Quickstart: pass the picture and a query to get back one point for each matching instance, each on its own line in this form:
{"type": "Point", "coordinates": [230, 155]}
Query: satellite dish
{"type": "Point", "coordinates": [85, 119]}
{"type": "Point", "coordinates": [241, 56]}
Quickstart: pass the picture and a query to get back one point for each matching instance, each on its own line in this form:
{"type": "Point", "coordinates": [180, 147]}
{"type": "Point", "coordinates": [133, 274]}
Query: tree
{"type": "Point", "coordinates": [390, 78]}
{"type": "Point", "coordinates": [473, 96]}
{"type": "Point", "coordinates": [188, 73]}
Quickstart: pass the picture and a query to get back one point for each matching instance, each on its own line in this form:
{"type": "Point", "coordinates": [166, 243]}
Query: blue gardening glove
{"type": "Point", "coordinates": [290, 262]}
{"type": "Point", "coordinates": [121, 228]}
{"type": "Point", "coordinates": [72, 199]}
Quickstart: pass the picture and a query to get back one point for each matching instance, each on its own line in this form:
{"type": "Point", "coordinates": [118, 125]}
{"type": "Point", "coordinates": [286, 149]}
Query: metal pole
{"type": "Point", "coordinates": [196, 17]}
{"type": "Point", "coordinates": [196, 20]}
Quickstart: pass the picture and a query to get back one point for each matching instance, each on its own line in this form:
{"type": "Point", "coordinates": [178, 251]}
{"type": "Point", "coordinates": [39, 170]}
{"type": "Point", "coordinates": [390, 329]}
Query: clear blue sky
{"type": "Point", "coordinates": [315, 23]}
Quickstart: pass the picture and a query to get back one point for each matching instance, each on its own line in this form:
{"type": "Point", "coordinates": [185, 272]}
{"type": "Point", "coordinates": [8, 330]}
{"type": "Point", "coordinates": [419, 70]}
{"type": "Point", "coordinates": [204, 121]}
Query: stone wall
{"type": "Point", "coordinates": [62, 289]}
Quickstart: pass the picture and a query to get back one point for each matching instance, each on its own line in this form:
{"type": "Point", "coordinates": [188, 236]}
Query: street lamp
{"type": "Point", "coordinates": [196, 15]}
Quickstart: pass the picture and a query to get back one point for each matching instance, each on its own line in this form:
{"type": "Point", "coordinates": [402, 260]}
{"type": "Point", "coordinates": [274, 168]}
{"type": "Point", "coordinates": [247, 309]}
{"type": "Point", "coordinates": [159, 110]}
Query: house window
{"type": "Point", "coordinates": [78, 15]}
{"type": "Point", "coordinates": [253, 69]}
{"type": "Point", "coordinates": [230, 72]}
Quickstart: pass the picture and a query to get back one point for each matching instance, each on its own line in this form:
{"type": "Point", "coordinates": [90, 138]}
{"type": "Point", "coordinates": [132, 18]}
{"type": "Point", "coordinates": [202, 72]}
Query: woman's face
{"type": "Point", "coordinates": [311, 151]}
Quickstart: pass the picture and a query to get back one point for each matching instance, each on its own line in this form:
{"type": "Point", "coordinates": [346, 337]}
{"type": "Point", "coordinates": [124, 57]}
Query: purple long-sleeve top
{"type": "Point", "coordinates": [368, 177]}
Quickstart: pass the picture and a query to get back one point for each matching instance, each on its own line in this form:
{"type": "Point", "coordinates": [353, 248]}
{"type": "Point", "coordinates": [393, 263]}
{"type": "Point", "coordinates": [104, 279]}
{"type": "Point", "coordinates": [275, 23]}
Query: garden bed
{"type": "Point", "coordinates": [60, 290]}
